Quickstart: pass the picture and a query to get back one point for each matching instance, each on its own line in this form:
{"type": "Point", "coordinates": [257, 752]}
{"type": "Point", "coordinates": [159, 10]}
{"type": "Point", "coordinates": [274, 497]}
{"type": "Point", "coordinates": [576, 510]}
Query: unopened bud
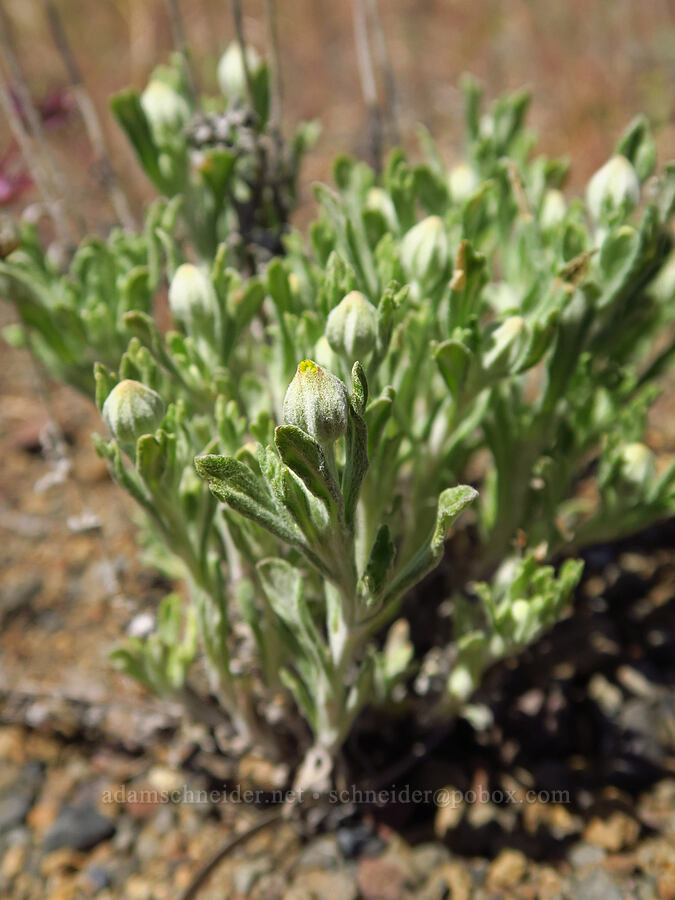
{"type": "Point", "coordinates": [379, 200]}
{"type": "Point", "coordinates": [553, 209]}
{"type": "Point", "coordinates": [424, 251]}
{"type": "Point", "coordinates": [638, 464]}
{"type": "Point", "coordinates": [614, 187]}
{"type": "Point", "coordinates": [231, 75]}
{"type": "Point", "coordinates": [505, 342]}
{"type": "Point", "coordinates": [191, 295]}
{"type": "Point", "coordinates": [351, 329]}
{"type": "Point", "coordinates": [463, 182]}
{"type": "Point", "coordinates": [132, 409]}
{"type": "Point", "coordinates": [167, 111]}
{"type": "Point", "coordinates": [316, 401]}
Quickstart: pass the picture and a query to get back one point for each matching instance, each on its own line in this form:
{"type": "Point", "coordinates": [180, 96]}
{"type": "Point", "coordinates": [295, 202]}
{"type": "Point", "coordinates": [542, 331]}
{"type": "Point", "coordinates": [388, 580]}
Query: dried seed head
{"type": "Point", "coordinates": [131, 410]}
{"type": "Point", "coordinates": [351, 329]}
{"type": "Point", "coordinates": [316, 401]}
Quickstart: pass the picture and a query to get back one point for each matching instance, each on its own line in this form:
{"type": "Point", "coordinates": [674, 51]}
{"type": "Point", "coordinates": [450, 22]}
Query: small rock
{"type": "Point", "coordinates": [317, 884]}
{"type": "Point", "coordinates": [583, 854]}
{"type": "Point", "coordinates": [80, 828]}
{"type": "Point", "coordinates": [97, 878]}
{"type": "Point", "coordinates": [607, 695]}
{"type": "Point", "coordinates": [597, 885]}
{"type": "Point", "coordinates": [358, 840]}
{"type": "Point", "coordinates": [428, 857]}
{"type": "Point", "coordinates": [62, 860]}
{"type": "Point", "coordinates": [18, 595]}
{"type": "Point", "coordinates": [666, 886]}
{"type": "Point", "coordinates": [14, 810]}
{"type": "Point", "coordinates": [452, 876]}
{"type": "Point", "coordinates": [508, 869]}
{"type": "Point", "coordinates": [12, 861]}
{"type": "Point", "coordinates": [381, 879]}
{"type": "Point", "coordinates": [617, 832]}
{"type": "Point", "coordinates": [322, 853]}
{"type": "Point", "coordinates": [450, 811]}
{"type": "Point", "coordinates": [247, 873]}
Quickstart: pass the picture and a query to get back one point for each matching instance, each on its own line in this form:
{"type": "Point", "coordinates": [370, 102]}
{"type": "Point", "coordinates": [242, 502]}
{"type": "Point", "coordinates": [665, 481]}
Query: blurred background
{"type": "Point", "coordinates": [591, 65]}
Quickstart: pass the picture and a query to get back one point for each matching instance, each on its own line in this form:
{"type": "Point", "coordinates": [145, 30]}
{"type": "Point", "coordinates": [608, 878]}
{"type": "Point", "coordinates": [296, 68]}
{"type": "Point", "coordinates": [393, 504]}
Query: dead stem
{"type": "Point", "coordinates": [180, 43]}
{"type": "Point", "coordinates": [55, 176]}
{"type": "Point", "coordinates": [92, 123]}
{"type": "Point", "coordinates": [32, 160]}
{"type": "Point", "coordinates": [241, 40]}
{"type": "Point", "coordinates": [387, 70]}
{"type": "Point", "coordinates": [277, 97]}
{"type": "Point", "coordinates": [368, 83]}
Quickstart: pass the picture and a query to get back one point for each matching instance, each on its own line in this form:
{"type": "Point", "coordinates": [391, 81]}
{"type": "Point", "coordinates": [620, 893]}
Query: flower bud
{"type": "Point", "coordinates": [462, 182]}
{"type": "Point", "coordinates": [231, 75]}
{"type": "Point", "coordinates": [166, 110]}
{"type": "Point", "coordinates": [316, 401]}
{"type": "Point", "coordinates": [191, 295]}
{"type": "Point", "coordinates": [380, 201]}
{"type": "Point", "coordinates": [505, 342]}
{"type": "Point", "coordinates": [613, 187]}
{"type": "Point", "coordinates": [351, 329]}
{"type": "Point", "coordinates": [131, 409]}
{"type": "Point", "coordinates": [637, 464]}
{"type": "Point", "coordinates": [553, 209]}
{"type": "Point", "coordinates": [424, 251]}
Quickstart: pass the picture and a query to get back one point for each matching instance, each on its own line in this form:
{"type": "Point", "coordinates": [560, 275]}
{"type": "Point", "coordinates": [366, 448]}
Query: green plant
{"type": "Point", "coordinates": [448, 341]}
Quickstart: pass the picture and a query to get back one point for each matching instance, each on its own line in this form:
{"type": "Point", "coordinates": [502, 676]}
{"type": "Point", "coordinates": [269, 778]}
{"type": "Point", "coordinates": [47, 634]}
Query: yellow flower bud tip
{"type": "Point", "coordinates": [132, 409]}
{"type": "Point", "coordinates": [191, 293]}
{"type": "Point", "coordinates": [165, 108]}
{"type": "Point", "coordinates": [316, 401]}
{"type": "Point", "coordinates": [307, 365]}
{"type": "Point", "coordinates": [351, 329]}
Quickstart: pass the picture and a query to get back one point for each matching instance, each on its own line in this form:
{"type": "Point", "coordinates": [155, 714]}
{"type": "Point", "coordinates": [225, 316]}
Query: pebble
{"type": "Point", "coordinates": [336, 885]}
{"type": "Point", "coordinates": [12, 861]}
{"type": "Point", "coordinates": [597, 885]}
{"type": "Point", "coordinates": [14, 810]}
{"type": "Point", "coordinates": [452, 876]}
{"type": "Point", "coordinates": [617, 832]}
{"type": "Point", "coordinates": [17, 595]}
{"type": "Point", "coordinates": [583, 854]}
{"type": "Point", "coordinates": [321, 853]}
{"type": "Point", "coordinates": [247, 873]}
{"type": "Point", "coordinates": [508, 869]}
{"type": "Point", "coordinates": [97, 878]}
{"type": "Point", "coordinates": [80, 828]}
{"type": "Point", "coordinates": [381, 879]}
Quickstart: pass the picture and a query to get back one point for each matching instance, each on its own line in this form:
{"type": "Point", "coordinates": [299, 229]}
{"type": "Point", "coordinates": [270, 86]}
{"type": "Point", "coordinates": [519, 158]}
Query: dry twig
{"type": "Point", "coordinates": [50, 172]}
{"type": "Point", "coordinates": [180, 43]}
{"type": "Point", "coordinates": [90, 117]}
{"type": "Point", "coordinates": [368, 82]}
